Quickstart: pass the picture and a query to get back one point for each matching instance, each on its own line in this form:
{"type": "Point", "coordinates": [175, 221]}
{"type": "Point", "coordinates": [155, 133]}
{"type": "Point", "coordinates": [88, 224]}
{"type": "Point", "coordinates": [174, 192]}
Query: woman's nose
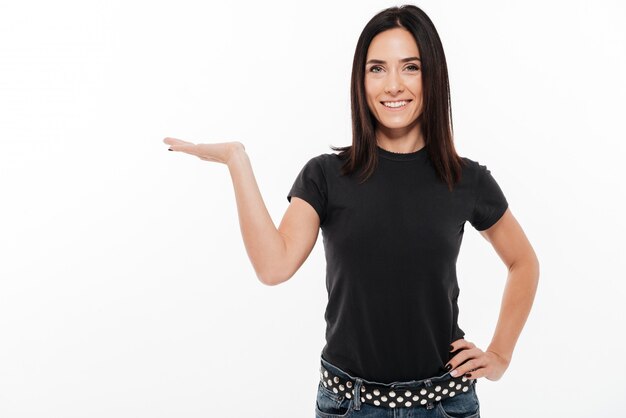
{"type": "Point", "coordinates": [394, 84]}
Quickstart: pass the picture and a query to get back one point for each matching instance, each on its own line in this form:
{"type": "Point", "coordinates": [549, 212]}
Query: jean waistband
{"type": "Point", "coordinates": [398, 384]}
{"type": "Point", "coordinates": [424, 392]}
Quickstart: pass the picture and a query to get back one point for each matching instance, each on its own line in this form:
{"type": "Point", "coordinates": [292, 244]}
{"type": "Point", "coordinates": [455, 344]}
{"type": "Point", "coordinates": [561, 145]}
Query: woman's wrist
{"type": "Point", "coordinates": [237, 151]}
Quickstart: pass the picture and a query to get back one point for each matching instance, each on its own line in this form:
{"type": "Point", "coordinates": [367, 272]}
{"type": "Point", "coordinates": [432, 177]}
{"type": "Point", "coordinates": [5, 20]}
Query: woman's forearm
{"type": "Point", "coordinates": [518, 297]}
{"type": "Point", "coordinates": [264, 244]}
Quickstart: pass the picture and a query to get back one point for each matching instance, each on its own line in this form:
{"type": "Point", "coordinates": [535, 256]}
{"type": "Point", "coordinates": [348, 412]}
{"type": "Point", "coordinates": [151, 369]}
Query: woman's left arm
{"type": "Point", "coordinates": [512, 245]}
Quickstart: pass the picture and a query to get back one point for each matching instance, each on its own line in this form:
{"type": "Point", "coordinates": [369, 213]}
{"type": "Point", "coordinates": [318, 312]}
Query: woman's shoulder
{"type": "Point", "coordinates": [470, 162]}
{"type": "Point", "coordinates": [322, 164]}
{"type": "Point", "coordinates": [473, 165]}
{"type": "Point", "coordinates": [327, 159]}
{"type": "Point", "coordinates": [475, 169]}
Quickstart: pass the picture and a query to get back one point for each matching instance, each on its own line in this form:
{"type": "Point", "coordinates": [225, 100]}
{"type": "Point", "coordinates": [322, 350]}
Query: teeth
{"type": "Point", "coordinates": [395, 104]}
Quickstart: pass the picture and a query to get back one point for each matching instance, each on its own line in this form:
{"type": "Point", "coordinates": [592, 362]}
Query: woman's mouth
{"type": "Point", "coordinates": [396, 105]}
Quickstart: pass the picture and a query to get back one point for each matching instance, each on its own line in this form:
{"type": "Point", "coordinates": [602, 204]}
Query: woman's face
{"type": "Point", "coordinates": [393, 72]}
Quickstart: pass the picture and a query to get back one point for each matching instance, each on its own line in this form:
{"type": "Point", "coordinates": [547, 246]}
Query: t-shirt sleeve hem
{"type": "Point", "coordinates": [306, 196]}
{"type": "Point", "coordinates": [488, 223]}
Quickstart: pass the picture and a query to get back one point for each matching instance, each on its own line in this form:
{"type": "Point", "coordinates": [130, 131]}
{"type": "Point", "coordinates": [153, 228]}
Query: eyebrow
{"type": "Point", "coordinates": [375, 61]}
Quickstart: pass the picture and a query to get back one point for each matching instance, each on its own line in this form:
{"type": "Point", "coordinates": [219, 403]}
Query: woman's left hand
{"type": "Point", "coordinates": [476, 362]}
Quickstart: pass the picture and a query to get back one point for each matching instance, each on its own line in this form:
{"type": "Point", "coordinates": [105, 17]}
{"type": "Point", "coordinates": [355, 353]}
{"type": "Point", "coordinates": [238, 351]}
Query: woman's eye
{"type": "Point", "coordinates": [375, 67]}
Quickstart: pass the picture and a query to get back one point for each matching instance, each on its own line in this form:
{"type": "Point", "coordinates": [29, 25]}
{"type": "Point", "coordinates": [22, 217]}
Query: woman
{"type": "Point", "coordinates": [392, 208]}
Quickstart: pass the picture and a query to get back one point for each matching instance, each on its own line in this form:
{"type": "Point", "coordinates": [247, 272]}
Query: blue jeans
{"type": "Point", "coordinates": [335, 405]}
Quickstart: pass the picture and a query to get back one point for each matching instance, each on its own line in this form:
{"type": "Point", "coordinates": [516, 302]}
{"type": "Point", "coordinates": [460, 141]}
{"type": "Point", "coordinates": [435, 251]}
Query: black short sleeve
{"type": "Point", "coordinates": [490, 203]}
{"type": "Point", "coordinates": [310, 185]}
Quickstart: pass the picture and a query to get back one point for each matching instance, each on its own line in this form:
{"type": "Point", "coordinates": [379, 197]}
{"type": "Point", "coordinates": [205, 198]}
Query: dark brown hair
{"type": "Point", "coordinates": [436, 117]}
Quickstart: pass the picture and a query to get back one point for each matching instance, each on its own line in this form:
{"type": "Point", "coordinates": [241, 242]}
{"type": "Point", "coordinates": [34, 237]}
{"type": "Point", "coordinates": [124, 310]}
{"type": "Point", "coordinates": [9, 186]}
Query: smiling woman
{"type": "Point", "coordinates": [392, 208]}
{"type": "Point", "coordinates": [393, 235]}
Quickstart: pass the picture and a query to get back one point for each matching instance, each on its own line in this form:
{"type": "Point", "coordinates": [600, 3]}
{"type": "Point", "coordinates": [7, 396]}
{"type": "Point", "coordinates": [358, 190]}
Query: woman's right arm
{"type": "Point", "coordinates": [275, 253]}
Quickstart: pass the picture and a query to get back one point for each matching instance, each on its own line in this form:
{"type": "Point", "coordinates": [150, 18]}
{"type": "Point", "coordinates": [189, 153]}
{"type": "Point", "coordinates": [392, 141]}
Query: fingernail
{"type": "Point", "coordinates": [453, 373]}
{"type": "Point", "coordinates": [448, 367]}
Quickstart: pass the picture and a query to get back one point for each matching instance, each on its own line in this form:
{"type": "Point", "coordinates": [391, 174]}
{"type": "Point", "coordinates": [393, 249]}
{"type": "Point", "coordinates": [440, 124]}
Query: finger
{"type": "Point", "coordinates": [461, 343]}
{"type": "Point", "coordinates": [463, 356]}
{"type": "Point", "coordinates": [187, 148]}
{"type": "Point", "coordinates": [468, 366]}
{"type": "Point", "coordinates": [457, 360]}
{"type": "Point", "coordinates": [476, 373]}
{"type": "Point", "coordinates": [175, 141]}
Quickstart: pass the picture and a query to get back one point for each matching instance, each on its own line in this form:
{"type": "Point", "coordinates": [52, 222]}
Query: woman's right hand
{"type": "Point", "coordinates": [220, 152]}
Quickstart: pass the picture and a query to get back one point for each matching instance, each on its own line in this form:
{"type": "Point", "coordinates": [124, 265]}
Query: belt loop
{"type": "Point", "coordinates": [430, 404]}
{"type": "Point", "coordinates": [357, 394]}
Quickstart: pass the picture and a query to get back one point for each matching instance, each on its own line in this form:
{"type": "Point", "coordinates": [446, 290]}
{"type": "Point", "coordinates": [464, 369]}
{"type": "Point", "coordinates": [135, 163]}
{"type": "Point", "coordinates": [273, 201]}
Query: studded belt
{"type": "Point", "coordinates": [397, 397]}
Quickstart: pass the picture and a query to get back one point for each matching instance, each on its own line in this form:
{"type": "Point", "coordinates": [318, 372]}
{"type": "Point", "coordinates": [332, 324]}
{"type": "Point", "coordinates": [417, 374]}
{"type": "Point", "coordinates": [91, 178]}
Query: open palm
{"type": "Point", "coordinates": [218, 152]}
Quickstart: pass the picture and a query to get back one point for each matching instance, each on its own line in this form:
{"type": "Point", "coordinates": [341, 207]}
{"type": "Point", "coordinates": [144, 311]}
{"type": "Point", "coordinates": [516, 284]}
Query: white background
{"type": "Point", "coordinates": [125, 288]}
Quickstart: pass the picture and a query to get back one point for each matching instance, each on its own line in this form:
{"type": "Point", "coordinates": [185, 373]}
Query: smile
{"type": "Point", "coordinates": [396, 105]}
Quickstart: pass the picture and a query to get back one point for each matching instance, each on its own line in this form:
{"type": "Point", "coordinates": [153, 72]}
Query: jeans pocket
{"type": "Point", "coordinates": [461, 405]}
{"type": "Point", "coordinates": [332, 405]}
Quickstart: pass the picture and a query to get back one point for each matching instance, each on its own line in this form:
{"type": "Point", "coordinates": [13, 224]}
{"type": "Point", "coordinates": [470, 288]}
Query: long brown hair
{"type": "Point", "coordinates": [436, 118]}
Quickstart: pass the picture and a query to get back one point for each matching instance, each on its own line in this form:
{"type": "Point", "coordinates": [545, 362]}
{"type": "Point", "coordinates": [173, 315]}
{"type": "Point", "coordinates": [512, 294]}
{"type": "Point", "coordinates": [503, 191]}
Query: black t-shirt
{"type": "Point", "coordinates": [391, 246]}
